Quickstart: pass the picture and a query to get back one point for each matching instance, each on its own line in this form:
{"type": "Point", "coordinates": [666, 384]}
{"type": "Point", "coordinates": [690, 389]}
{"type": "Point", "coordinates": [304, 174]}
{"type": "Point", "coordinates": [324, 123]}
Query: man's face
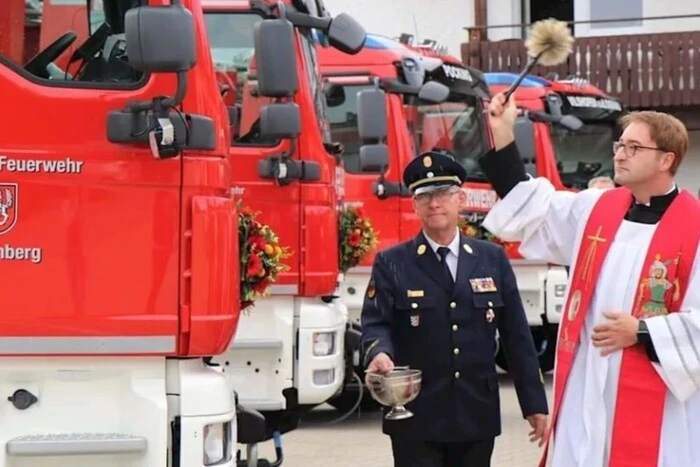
{"type": "Point", "coordinates": [638, 159]}
{"type": "Point", "coordinates": [439, 209]}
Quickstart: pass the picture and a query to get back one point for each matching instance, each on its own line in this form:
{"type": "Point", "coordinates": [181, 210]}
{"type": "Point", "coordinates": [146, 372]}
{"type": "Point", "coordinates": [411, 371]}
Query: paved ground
{"type": "Point", "coordinates": [358, 440]}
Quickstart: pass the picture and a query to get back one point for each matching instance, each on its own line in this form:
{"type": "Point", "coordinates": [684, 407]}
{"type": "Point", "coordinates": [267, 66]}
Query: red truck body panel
{"type": "Point", "coordinates": [131, 246]}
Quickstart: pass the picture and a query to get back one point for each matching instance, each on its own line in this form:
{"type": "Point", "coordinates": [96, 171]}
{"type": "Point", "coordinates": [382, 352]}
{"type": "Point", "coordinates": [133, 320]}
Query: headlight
{"type": "Point", "coordinates": [217, 443]}
{"type": "Point", "coordinates": [323, 343]}
{"type": "Point", "coordinates": [559, 290]}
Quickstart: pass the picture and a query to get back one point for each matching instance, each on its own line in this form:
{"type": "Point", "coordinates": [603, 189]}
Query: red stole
{"type": "Point", "coordinates": [641, 392]}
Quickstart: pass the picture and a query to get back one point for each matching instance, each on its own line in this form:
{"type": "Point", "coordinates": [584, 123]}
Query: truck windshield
{"type": "Point", "coordinates": [232, 48]}
{"type": "Point", "coordinates": [584, 154]}
{"type": "Point", "coordinates": [453, 126]}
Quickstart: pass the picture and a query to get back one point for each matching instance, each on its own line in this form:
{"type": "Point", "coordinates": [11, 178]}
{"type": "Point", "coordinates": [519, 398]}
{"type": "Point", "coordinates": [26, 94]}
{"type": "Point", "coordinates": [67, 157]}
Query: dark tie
{"type": "Point", "coordinates": [443, 251]}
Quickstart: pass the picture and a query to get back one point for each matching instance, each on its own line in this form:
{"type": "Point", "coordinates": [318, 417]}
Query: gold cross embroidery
{"type": "Point", "coordinates": [587, 270]}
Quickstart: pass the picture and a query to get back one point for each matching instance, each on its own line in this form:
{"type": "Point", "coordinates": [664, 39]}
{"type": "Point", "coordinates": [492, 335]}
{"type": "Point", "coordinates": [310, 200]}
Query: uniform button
{"type": "Point", "coordinates": [414, 305]}
{"type": "Point", "coordinates": [490, 304]}
{"type": "Point", "coordinates": [457, 374]}
{"type": "Point", "coordinates": [456, 351]}
{"type": "Point", "coordinates": [453, 305]}
{"type": "Point", "coordinates": [454, 327]}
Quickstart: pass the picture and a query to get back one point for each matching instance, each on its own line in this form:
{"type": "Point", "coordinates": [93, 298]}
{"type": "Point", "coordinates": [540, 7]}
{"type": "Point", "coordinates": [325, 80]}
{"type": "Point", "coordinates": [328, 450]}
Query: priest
{"type": "Point", "coordinates": [627, 373]}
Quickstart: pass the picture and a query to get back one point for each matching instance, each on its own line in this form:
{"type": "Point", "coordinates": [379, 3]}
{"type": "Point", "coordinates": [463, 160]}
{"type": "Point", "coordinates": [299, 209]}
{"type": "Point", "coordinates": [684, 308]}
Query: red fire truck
{"type": "Point", "coordinates": [288, 354]}
{"type": "Point", "coordinates": [118, 237]}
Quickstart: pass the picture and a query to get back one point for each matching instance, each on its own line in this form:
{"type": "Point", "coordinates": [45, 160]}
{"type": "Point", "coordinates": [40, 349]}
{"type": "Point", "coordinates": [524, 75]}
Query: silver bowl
{"type": "Point", "coordinates": [395, 389]}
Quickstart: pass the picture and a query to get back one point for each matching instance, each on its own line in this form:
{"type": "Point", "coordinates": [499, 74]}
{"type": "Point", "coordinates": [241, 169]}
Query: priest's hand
{"type": "Point", "coordinates": [538, 422]}
{"type": "Point", "coordinates": [619, 332]}
{"type": "Point", "coordinates": [502, 116]}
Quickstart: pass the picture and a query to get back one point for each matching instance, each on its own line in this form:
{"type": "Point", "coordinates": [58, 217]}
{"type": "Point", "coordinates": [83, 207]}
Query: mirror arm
{"type": "Point", "coordinates": [394, 86]}
{"type": "Point", "coordinates": [303, 20]}
{"type": "Point", "coordinates": [161, 102]}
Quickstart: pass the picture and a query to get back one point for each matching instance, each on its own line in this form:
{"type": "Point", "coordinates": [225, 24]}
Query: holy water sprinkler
{"type": "Point", "coordinates": [550, 43]}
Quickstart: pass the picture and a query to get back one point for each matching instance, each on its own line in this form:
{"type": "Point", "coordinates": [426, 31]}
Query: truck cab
{"type": "Point", "coordinates": [288, 355]}
{"type": "Point", "coordinates": [118, 238]}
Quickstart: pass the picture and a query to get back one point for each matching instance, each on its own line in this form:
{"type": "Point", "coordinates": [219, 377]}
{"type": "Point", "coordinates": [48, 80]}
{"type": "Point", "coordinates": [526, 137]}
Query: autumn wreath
{"type": "Point", "coordinates": [477, 231]}
{"type": "Point", "coordinates": [261, 256]}
{"type": "Point", "coordinates": [357, 237]}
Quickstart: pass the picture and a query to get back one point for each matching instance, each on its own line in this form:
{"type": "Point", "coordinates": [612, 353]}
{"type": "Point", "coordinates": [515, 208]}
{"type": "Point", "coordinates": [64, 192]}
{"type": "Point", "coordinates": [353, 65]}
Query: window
{"type": "Point", "coordinates": [605, 9]}
{"type": "Point", "coordinates": [65, 45]}
{"type": "Point", "coordinates": [231, 39]}
{"type": "Point", "coordinates": [232, 45]}
{"type": "Point", "coordinates": [342, 113]}
{"type": "Point", "coordinates": [313, 72]}
{"type": "Point", "coordinates": [456, 127]}
{"type": "Point", "coordinates": [584, 154]}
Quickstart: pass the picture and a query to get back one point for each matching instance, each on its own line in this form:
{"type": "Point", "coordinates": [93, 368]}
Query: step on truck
{"type": "Point", "coordinates": [118, 238]}
{"type": "Point", "coordinates": [288, 354]}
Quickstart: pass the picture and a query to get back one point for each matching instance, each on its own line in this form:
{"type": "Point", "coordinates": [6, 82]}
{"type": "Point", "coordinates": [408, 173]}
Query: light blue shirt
{"type": "Point", "coordinates": [452, 257]}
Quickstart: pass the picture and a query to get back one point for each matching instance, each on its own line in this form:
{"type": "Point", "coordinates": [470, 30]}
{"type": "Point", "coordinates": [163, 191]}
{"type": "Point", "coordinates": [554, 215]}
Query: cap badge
{"type": "Point", "coordinates": [427, 161]}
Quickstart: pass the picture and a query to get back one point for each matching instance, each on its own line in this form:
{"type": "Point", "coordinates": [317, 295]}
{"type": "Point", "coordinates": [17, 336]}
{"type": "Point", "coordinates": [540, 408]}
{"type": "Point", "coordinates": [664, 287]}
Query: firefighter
{"type": "Point", "coordinates": [435, 303]}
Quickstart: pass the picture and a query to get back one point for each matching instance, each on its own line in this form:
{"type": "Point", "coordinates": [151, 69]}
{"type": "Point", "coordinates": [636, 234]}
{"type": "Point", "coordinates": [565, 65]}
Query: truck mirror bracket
{"type": "Point", "coordinates": [189, 131]}
{"type": "Point", "coordinates": [285, 170]}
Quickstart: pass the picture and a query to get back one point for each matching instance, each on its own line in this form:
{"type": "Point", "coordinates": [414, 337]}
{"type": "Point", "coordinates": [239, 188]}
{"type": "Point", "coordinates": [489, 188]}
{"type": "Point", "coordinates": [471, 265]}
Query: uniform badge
{"type": "Point", "coordinates": [468, 249]}
{"type": "Point", "coordinates": [483, 284]}
{"type": "Point", "coordinates": [415, 320]}
{"type": "Point", "coordinates": [415, 293]}
{"type": "Point", "coordinates": [421, 249]}
{"type": "Point", "coordinates": [371, 290]}
{"type": "Point", "coordinates": [490, 315]}
{"type": "Point", "coordinates": [427, 161]}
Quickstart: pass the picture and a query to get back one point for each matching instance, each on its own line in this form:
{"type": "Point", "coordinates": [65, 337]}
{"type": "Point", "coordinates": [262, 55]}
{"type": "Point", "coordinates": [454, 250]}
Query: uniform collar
{"type": "Point", "coordinates": [453, 246]}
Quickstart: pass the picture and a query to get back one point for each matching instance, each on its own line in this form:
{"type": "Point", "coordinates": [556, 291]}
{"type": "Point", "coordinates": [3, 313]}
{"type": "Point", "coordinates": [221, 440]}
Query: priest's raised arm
{"type": "Point", "coordinates": [530, 210]}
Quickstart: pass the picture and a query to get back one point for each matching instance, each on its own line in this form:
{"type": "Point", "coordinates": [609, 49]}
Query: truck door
{"type": "Point", "coordinates": [89, 230]}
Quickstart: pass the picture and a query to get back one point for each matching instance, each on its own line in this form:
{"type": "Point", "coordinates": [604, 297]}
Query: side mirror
{"type": "Point", "coordinates": [434, 92]}
{"type": "Point", "coordinates": [524, 133]}
{"type": "Point", "coordinates": [275, 58]}
{"type": "Point", "coordinates": [570, 122]}
{"type": "Point", "coordinates": [346, 34]}
{"type": "Point", "coordinates": [280, 121]}
{"type": "Point", "coordinates": [371, 114]}
{"type": "Point", "coordinates": [374, 158]}
{"type": "Point", "coordinates": [160, 39]}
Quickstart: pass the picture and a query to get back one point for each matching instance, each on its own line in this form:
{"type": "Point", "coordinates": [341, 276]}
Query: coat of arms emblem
{"type": "Point", "coordinates": [8, 206]}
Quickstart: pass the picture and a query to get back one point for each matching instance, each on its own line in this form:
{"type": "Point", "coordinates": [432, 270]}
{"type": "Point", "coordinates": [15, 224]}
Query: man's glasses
{"type": "Point", "coordinates": [631, 149]}
{"type": "Point", "coordinates": [440, 196]}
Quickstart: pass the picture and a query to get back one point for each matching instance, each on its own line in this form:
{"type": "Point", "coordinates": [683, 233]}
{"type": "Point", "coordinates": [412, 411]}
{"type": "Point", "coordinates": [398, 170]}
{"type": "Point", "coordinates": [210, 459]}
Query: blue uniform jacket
{"type": "Point", "coordinates": [419, 319]}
